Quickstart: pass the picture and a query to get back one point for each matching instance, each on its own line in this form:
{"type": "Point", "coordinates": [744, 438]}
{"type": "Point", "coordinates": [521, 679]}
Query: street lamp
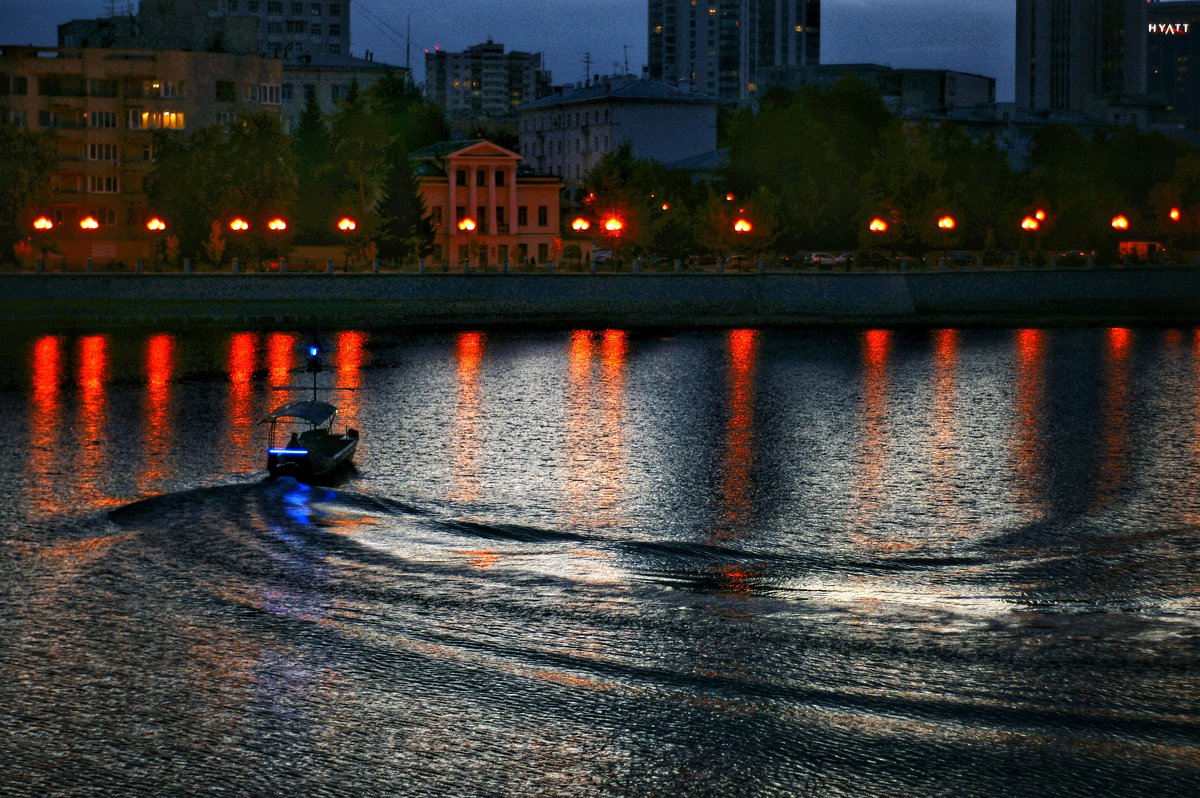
{"type": "Point", "coordinates": [742, 226]}
{"type": "Point", "coordinates": [581, 225]}
{"type": "Point", "coordinates": [613, 225]}
{"type": "Point", "coordinates": [1175, 214]}
{"type": "Point", "coordinates": [89, 223]}
{"type": "Point", "coordinates": [277, 225]}
{"type": "Point", "coordinates": [239, 225]}
{"type": "Point", "coordinates": [878, 225]}
{"type": "Point", "coordinates": [156, 226]}
{"type": "Point", "coordinates": [1030, 224]}
{"type": "Point", "coordinates": [947, 223]}
{"type": "Point", "coordinates": [1120, 222]}
{"type": "Point", "coordinates": [347, 225]}
{"type": "Point", "coordinates": [41, 229]}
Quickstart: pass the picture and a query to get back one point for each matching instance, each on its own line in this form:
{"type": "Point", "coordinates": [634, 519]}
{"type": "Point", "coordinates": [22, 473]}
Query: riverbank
{"type": "Point", "coordinates": [1143, 296]}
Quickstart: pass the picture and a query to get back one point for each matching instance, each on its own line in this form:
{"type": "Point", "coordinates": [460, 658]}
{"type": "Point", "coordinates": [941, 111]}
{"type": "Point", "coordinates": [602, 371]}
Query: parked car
{"type": "Point", "coordinates": [602, 256]}
{"type": "Point", "coordinates": [1072, 257]}
{"type": "Point", "coordinates": [824, 259]}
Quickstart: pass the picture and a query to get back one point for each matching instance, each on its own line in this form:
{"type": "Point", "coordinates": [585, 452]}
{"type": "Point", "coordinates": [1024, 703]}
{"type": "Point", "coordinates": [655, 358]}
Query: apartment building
{"type": "Point", "coordinates": [484, 82]}
{"type": "Point", "coordinates": [719, 47]}
{"type": "Point", "coordinates": [568, 133]}
{"type": "Point", "coordinates": [104, 107]}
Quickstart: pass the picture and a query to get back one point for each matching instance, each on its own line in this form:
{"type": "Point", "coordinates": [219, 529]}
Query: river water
{"type": "Point", "coordinates": [606, 563]}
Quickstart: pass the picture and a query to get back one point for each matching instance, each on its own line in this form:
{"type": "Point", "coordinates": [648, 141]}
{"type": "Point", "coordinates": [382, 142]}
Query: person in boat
{"type": "Point", "coordinates": [293, 441]}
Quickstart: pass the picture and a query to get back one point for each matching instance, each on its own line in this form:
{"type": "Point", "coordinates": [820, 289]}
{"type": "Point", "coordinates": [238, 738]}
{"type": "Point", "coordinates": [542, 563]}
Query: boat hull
{"type": "Point", "coordinates": [320, 458]}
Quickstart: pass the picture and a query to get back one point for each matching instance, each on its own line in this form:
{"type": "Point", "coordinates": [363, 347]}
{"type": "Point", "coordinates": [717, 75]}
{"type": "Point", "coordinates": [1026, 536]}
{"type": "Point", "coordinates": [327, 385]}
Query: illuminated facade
{"type": "Point", "coordinates": [568, 133]}
{"type": "Point", "coordinates": [1173, 56]}
{"type": "Point", "coordinates": [484, 81]}
{"type": "Point", "coordinates": [1080, 55]}
{"type": "Point", "coordinates": [485, 209]}
{"type": "Point", "coordinates": [105, 106]}
{"type": "Point", "coordinates": [720, 47]}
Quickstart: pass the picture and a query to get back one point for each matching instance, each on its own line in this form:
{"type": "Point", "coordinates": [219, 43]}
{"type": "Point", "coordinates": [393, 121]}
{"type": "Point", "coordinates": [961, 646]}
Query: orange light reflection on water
{"type": "Point", "coordinates": [45, 423]}
{"type": "Point", "coordinates": [594, 434]}
{"type": "Point", "coordinates": [1028, 453]}
{"type": "Point", "coordinates": [944, 438]}
{"type": "Point", "coordinates": [1114, 415]}
{"type": "Point", "coordinates": [872, 437]}
{"type": "Point", "coordinates": [93, 405]}
{"type": "Point", "coordinates": [160, 364]}
{"type": "Point", "coordinates": [348, 353]}
{"type": "Point", "coordinates": [609, 464]}
{"type": "Point", "coordinates": [242, 362]}
{"type": "Point", "coordinates": [737, 458]}
{"type": "Point", "coordinates": [578, 438]}
{"type": "Point", "coordinates": [467, 445]}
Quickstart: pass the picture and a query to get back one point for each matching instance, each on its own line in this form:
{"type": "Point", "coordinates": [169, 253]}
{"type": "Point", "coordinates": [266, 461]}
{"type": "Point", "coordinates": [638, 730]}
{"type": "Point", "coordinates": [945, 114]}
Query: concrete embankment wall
{"type": "Point", "coordinates": [73, 301]}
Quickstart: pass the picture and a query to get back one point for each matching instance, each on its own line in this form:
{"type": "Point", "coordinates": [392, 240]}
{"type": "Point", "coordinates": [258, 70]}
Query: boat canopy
{"type": "Point", "coordinates": [313, 412]}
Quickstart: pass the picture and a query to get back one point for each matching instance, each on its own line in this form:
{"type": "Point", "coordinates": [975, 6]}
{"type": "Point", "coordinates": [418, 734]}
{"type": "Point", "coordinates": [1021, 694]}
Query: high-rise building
{"type": "Point", "coordinates": [1080, 55]}
{"type": "Point", "coordinates": [1173, 58]}
{"type": "Point", "coordinates": [484, 82]}
{"type": "Point", "coordinates": [722, 47]}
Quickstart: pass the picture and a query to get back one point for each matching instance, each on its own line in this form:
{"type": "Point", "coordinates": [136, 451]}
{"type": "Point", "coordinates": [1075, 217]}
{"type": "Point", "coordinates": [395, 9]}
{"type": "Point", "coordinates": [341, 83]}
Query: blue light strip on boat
{"type": "Point", "coordinates": [287, 451]}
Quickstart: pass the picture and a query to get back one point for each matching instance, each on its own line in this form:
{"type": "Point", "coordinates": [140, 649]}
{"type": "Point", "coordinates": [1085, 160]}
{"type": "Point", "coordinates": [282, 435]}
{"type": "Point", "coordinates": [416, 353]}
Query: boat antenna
{"type": "Point", "coordinates": [314, 364]}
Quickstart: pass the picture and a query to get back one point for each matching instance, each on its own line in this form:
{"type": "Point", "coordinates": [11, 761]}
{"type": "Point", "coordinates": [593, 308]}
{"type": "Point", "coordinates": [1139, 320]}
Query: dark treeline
{"type": "Point", "coordinates": [813, 167]}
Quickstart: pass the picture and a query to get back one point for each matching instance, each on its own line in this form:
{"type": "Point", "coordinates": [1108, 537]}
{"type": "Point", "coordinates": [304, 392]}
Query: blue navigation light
{"type": "Point", "coordinates": [313, 351]}
{"type": "Point", "coordinates": [287, 451]}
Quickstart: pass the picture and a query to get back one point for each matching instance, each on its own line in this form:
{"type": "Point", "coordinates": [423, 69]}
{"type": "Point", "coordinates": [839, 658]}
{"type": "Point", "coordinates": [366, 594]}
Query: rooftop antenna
{"type": "Point", "coordinates": [408, 45]}
{"type": "Point", "coordinates": [626, 48]}
{"type": "Point", "coordinates": [587, 69]}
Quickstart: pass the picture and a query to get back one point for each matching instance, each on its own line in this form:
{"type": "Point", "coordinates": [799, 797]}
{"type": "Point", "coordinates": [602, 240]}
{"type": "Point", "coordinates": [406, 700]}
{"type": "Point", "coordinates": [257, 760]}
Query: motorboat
{"type": "Point", "coordinates": [312, 448]}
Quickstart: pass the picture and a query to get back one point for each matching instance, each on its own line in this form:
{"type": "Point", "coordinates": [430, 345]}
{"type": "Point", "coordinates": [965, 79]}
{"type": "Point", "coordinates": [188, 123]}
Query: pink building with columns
{"type": "Point", "coordinates": [486, 210]}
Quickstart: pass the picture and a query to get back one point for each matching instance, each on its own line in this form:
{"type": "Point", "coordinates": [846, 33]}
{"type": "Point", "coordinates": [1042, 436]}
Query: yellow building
{"type": "Point", "coordinates": [105, 106]}
{"type": "Point", "coordinates": [486, 210]}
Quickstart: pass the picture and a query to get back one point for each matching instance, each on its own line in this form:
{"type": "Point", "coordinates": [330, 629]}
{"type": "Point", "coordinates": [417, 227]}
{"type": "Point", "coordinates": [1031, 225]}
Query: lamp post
{"type": "Point", "coordinates": [468, 226]}
{"type": "Point", "coordinates": [41, 230]}
{"type": "Point", "coordinates": [88, 224]}
{"type": "Point", "coordinates": [238, 226]}
{"type": "Point", "coordinates": [156, 227]}
{"type": "Point", "coordinates": [581, 225]}
{"type": "Point", "coordinates": [346, 226]}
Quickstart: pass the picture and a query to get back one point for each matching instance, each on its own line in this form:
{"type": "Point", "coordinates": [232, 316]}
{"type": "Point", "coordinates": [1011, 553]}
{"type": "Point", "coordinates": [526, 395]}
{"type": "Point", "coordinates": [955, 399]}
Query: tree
{"type": "Point", "coordinates": [634, 190]}
{"type": "Point", "coordinates": [314, 183]}
{"type": "Point", "coordinates": [810, 150]}
{"type": "Point", "coordinates": [360, 163]}
{"type": "Point", "coordinates": [214, 174]}
{"type": "Point", "coordinates": [906, 187]}
{"type": "Point", "coordinates": [718, 230]}
{"type": "Point", "coordinates": [27, 160]}
{"type": "Point", "coordinates": [404, 227]}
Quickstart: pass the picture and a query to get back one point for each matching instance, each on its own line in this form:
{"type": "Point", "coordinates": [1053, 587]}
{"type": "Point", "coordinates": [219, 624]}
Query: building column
{"type": "Point", "coordinates": [491, 210]}
{"type": "Point", "coordinates": [474, 197]}
{"type": "Point", "coordinates": [511, 177]}
{"type": "Point", "coordinates": [452, 174]}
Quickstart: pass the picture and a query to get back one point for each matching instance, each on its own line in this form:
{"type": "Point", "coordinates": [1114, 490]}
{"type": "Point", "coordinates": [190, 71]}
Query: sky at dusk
{"type": "Point", "coordinates": [967, 35]}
